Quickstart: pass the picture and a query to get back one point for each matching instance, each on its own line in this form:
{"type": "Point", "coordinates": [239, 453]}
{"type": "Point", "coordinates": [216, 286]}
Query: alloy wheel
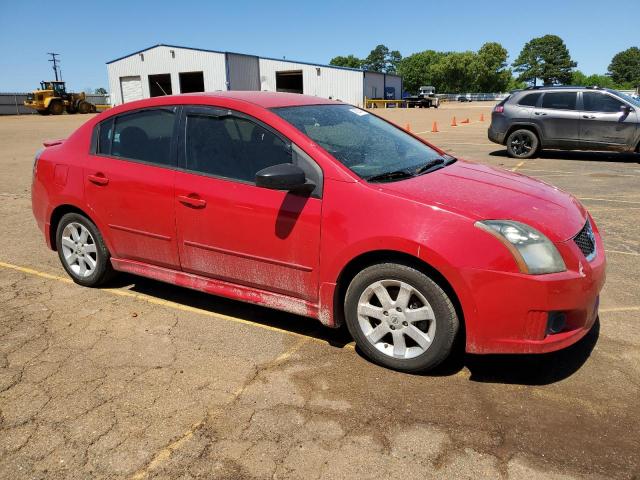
{"type": "Point", "coordinates": [79, 249]}
{"type": "Point", "coordinates": [521, 144]}
{"type": "Point", "coordinates": [396, 319]}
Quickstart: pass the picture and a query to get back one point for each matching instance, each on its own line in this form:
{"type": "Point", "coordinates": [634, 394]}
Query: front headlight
{"type": "Point", "coordinates": [533, 252]}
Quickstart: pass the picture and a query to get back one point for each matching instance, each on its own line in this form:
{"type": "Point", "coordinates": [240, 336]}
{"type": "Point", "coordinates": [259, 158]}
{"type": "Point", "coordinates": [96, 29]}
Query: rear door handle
{"type": "Point", "coordinates": [98, 179]}
{"type": "Point", "coordinates": [589, 116]}
{"type": "Point", "coordinates": [192, 200]}
{"type": "Point", "coordinates": [539, 113]}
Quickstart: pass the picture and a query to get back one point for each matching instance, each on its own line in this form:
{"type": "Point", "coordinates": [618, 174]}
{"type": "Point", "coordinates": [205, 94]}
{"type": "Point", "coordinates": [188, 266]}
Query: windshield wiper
{"type": "Point", "coordinates": [388, 176]}
{"type": "Point", "coordinates": [434, 165]}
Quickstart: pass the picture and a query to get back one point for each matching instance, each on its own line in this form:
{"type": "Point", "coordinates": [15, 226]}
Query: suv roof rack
{"type": "Point", "coordinates": [539, 87]}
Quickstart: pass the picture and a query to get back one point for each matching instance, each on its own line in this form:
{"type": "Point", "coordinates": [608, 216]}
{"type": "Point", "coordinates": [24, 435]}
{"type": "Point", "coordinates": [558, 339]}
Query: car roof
{"type": "Point", "coordinates": [264, 99]}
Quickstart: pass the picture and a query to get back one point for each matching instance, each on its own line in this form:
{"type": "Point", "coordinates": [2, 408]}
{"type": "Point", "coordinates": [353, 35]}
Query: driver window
{"type": "Point", "coordinates": [231, 147]}
{"type": "Point", "coordinates": [599, 102]}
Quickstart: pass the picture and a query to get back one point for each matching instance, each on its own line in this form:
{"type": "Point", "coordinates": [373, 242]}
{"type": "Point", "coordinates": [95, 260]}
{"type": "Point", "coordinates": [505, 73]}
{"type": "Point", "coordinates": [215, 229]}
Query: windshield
{"type": "Point", "coordinates": [628, 98]}
{"type": "Point", "coordinates": [364, 143]}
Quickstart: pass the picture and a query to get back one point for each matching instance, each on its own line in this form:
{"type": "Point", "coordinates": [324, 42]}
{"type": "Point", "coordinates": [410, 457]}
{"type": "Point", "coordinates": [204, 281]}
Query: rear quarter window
{"type": "Point", "coordinates": [529, 100]}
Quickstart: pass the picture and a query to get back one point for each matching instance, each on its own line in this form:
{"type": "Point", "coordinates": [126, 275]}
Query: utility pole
{"type": "Point", "coordinates": [56, 67]}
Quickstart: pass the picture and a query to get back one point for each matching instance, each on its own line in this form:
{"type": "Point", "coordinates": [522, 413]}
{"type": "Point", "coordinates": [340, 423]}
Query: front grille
{"type": "Point", "coordinates": [586, 242]}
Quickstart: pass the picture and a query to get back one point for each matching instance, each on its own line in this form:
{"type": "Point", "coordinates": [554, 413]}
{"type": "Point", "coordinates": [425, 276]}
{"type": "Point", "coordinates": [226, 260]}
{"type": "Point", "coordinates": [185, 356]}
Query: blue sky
{"type": "Point", "coordinates": [310, 31]}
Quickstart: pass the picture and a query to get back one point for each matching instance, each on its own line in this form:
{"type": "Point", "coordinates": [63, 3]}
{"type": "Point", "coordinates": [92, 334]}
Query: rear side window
{"type": "Point", "coordinates": [599, 102]}
{"type": "Point", "coordinates": [231, 147]}
{"type": "Point", "coordinates": [529, 100]}
{"type": "Point", "coordinates": [559, 100]}
{"type": "Point", "coordinates": [144, 135]}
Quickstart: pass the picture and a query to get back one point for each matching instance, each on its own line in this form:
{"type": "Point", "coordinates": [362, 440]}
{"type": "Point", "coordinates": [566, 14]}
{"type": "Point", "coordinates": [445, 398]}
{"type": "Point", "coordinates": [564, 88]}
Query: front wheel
{"type": "Point", "coordinates": [82, 251]}
{"type": "Point", "coordinates": [400, 318]}
{"type": "Point", "coordinates": [522, 144]}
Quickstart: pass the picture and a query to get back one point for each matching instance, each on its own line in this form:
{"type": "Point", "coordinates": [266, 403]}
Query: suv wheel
{"type": "Point", "coordinates": [522, 144]}
{"type": "Point", "coordinates": [82, 251]}
{"type": "Point", "coordinates": [400, 318]}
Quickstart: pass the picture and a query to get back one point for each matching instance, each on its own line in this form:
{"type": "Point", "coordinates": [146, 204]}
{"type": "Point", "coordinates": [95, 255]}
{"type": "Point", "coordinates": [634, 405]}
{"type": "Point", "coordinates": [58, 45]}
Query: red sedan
{"type": "Point", "coordinates": [322, 209]}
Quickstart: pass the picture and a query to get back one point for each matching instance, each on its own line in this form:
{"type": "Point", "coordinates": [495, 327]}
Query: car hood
{"type": "Point", "coordinates": [487, 193]}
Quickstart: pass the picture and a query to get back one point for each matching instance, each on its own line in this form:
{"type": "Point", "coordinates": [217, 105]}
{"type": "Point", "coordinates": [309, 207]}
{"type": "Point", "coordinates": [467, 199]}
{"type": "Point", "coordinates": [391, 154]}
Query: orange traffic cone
{"type": "Point", "coordinates": [453, 122]}
{"type": "Point", "coordinates": [434, 128]}
{"type": "Point", "coordinates": [466, 120]}
{"type": "Point", "coordinates": [482, 117]}
{"type": "Point", "coordinates": [407, 127]}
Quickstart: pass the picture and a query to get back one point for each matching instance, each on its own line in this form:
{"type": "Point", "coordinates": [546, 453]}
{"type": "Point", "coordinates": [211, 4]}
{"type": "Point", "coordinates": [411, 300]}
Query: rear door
{"type": "Point", "coordinates": [603, 124]}
{"type": "Point", "coordinates": [129, 180]}
{"type": "Point", "coordinates": [232, 230]}
{"type": "Point", "coordinates": [558, 119]}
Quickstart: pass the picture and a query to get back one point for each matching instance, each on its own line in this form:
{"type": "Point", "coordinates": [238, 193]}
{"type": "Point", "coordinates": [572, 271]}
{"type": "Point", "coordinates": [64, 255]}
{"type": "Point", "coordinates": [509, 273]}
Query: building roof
{"type": "Point", "coordinates": [236, 53]}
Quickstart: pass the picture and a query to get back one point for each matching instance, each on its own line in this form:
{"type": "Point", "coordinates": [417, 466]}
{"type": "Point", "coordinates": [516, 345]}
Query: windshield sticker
{"type": "Point", "coordinates": [358, 112]}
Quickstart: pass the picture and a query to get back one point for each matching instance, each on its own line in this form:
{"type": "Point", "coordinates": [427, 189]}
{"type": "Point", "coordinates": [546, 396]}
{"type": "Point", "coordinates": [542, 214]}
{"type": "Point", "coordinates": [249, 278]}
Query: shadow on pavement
{"type": "Point", "coordinates": [260, 315]}
{"type": "Point", "coordinates": [578, 155]}
{"type": "Point", "coordinates": [539, 369]}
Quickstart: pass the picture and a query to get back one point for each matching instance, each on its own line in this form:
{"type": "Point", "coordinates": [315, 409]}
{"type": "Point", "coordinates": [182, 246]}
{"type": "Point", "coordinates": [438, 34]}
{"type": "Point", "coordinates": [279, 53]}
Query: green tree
{"type": "Point", "coordinates": [380, 59]}
{"type": "Point", "coordinates": [416, 69]}
{"type": "Point", "coordinates": [625, 66]}
{"type": "Point", "coordinates": [455, 72]}
{"type": "Point", "coordinates": [546, 58]}
{"type": "Point", "coordinates": [350, 61]}
{"type": "Point", "coordinates": [490, 68]}
{"type": "Point", "coordinates": [101, 91]}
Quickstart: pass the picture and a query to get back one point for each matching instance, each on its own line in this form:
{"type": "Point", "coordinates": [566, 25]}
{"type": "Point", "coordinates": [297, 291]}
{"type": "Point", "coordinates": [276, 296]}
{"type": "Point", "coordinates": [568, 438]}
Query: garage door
{"type": "Point", "coordinates": [131, 88]}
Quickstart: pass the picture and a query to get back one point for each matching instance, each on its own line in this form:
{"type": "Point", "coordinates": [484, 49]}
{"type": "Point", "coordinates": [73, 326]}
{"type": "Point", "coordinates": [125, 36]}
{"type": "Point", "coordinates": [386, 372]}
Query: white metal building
{"type": "Point", "coordinates": [167, 69]}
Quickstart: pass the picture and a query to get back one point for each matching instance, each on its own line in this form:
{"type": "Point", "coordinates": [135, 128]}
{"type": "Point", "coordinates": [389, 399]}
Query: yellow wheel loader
{"type": "Point", "coordinates": [52, 98]}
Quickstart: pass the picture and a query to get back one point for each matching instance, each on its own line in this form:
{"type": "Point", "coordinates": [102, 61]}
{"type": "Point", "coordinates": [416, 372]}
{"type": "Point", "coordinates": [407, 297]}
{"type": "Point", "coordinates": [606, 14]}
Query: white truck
{"type": "Point", "coordinates": [426, 98]}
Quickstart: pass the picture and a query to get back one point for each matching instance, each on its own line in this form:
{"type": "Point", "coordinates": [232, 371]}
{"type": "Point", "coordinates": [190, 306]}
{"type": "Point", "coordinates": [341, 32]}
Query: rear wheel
{"type": "Point", "coordinates": [400, 318]}
{"type": "Point", "coordinates": [82, 251]}
{"type": "Point", "coordinates": [522, 144]}
{"type": "Point", "coordinates": [56, 108]}
{"type": "Point", "coordinates": [84, 107]}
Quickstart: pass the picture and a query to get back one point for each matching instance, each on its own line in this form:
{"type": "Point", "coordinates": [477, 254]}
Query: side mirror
{"type": "Point", "coordinates": [284, 176]}
{"type": "Point", "coordinates": [625, 109]}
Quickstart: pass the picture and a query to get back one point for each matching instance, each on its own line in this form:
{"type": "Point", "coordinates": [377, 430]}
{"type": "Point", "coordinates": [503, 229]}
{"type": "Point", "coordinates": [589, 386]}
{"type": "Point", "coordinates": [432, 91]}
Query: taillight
{"type": "Point", "coordinates": [499, 109]}
{"type": "Point", "coordinates": [35, 161]}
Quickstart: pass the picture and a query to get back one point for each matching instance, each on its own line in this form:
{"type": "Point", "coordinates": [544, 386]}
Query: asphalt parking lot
{"type": "Point", "coordinates": [145, 380]}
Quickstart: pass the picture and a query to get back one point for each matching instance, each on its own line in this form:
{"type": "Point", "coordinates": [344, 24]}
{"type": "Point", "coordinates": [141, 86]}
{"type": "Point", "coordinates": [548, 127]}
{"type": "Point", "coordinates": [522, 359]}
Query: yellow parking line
{"type": "Point", "coordinates": [167, 451]}
{"type": "Point", "coordinates": [635, 254]}
{"type": "Point", "coordinates": [595, 199]}
{"type": "Point", "coordinates": [619, 309]}
{"type": "Point", "coordinates": [517, 166]}
{"type": "Point", "coordinates": [164, 303]}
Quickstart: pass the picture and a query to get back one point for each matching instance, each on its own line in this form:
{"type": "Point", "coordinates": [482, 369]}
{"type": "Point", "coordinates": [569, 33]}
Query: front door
{"type": "Point", "coordinates": [129, 185]}
{"type": "Point", "coordinates": [603, 124]}
{"type": "Point", "coordinates": [558, 119]}
{"type": "Point", "coordinates": [228, 228]}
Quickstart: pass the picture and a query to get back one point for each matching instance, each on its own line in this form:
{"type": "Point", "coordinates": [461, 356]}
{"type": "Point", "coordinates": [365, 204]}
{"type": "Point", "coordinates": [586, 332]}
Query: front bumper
{"type": "Point", "coordinates": [512, 309]}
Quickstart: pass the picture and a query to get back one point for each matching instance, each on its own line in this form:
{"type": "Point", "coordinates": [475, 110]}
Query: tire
{"type": "Point", "coordinates": [427, 316]}
{"type": "Point", "coordinates": [56, 108]}
{"type": "Point", "coordinates": [522, 144]}
{"type": "Point", "coordinates": [85, 243]}
{"type": "Point", "coordinates": [71, 110]}
{"type": "Point", "coordinates": [84, 107]}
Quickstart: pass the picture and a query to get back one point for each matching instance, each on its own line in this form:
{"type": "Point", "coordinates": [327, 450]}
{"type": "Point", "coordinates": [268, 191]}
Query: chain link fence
{"type": "Point", "coordinates": [12, 103]}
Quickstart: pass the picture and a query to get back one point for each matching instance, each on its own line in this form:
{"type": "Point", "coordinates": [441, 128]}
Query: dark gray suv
{"type": "Point", "coordinates": [566, 118]}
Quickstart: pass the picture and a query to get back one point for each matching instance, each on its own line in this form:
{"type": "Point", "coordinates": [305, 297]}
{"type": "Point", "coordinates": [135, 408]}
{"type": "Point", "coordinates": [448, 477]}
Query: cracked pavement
{"type": "Point", "coordinates": [146, 380]}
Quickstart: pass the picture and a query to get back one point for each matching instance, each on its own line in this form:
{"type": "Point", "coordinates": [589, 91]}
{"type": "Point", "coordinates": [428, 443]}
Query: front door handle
{"type": "Point", "coordinates": [539, 113]}
{"type": "Point", "coordinates": [589, 116]}
{"type": "Point", "coordinates": [192, 200]}
{"type": "Point", "coordinates": [98, 179]}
